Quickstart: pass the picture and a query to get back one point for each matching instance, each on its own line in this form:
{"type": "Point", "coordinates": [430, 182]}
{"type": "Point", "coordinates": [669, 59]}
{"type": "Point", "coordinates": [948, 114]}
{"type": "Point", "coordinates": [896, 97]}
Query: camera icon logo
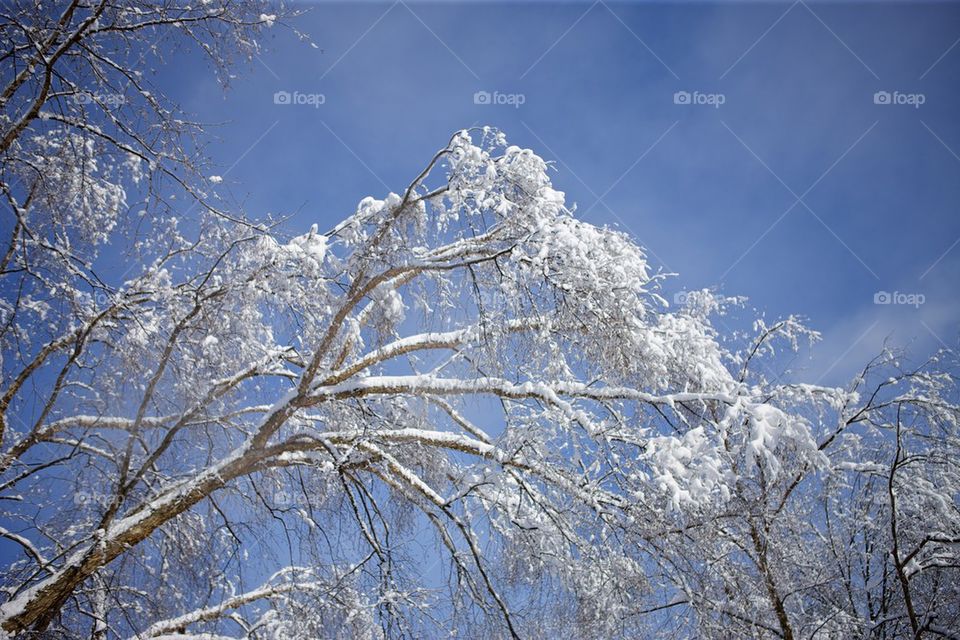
{"type": "Point", "coordinates": [681, 97]}
{"type": "Point", "coordinates": [482, 97]}
{"type": "Point", "coordinates": [882, 297]}
{"type": "Point", "coordinates": [82, 98]}
{"type": "Point", "coordinates": [881, 97]}
{"type": "Point", "coordinates": [282, 97]}
{"type": "Point", "coordinates": [681, 298]}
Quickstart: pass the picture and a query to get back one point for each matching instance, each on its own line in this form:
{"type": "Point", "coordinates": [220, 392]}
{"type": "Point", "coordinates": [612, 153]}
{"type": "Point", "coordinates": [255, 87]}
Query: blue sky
{"type": "Point", "coordinates": [799, 191]}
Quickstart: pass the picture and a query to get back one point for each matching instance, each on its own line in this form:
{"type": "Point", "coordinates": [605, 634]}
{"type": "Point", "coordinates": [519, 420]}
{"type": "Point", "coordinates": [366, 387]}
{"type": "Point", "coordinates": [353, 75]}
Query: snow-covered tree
{"type": "Point", "coordinates": [460, 411]}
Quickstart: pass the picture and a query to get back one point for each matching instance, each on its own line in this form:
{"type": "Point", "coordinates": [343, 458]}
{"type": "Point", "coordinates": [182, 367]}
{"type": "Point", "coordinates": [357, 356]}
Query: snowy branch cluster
{"type": "Point", "coordinates": [253, 435]}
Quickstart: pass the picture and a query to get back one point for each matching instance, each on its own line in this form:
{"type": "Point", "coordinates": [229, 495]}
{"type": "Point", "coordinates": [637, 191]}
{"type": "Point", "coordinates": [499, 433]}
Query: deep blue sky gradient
{"type": "Point", "coordinates": [711, 192]}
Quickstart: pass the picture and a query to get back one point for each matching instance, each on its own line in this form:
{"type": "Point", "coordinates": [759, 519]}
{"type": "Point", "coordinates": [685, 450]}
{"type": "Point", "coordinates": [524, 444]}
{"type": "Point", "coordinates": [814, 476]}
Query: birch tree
{"type": "Point", "coordinates": [459, 411]}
